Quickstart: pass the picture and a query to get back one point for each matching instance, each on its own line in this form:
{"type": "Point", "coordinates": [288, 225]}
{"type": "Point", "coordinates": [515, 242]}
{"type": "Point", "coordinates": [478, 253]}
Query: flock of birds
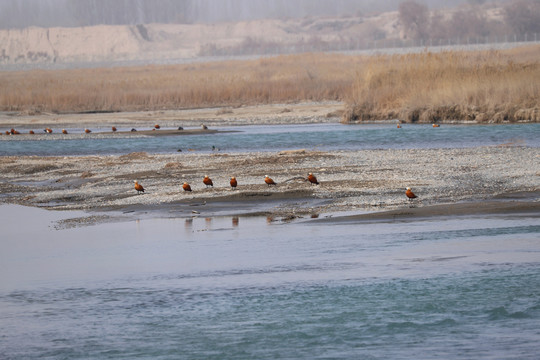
{"type": "Point", "coordinates": [86, 130]}
{"type": "Point", "coordinates": [268, 180]}
{"type": "Point", "coordinates": [233, 182]}
{"type": "Point", "coordinates": [206, 180]}
{"type": "Point", "coordinates": [46, 130]}
{"type": "Point", "coordinates": [156, 127]}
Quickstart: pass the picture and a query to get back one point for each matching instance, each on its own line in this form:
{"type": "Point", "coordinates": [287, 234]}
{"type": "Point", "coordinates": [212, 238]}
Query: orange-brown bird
{"type": "Point", "coordinates": [312, 179]}
{"type": "Point", "coordinates": [186, 187]}
{"type": "Point", "coordinates": [64, 131]}
{"type": "Point", "coordinates": [48, 130]}
{"type": "Point", "coordinates": [88, 131]}
{"type": "Point", "coordinates": [207, 181]}
{"type": "Point", "coordinates": [233, 183]}
{"type": "Point", "coordinates": [157, 126]}
{"type": "Point", "coordinates": [113, 129]}
{"type": "Point", "coordinates": [7, 132]}
{"type": "Point", "coordinates": [268, 180]}
{"type": "Point", "coordinates": [14, 132]}
{"type": "Point", "coordinates": [436, 125]}
{"type": "Point", "coordinates": [399, 126]}
{"type": "Point", "coordinates": [138, 187]}
{"type": "Point", "coordinates": [410, 194]}
{"type": "Point", "coordinates": [31, 132]}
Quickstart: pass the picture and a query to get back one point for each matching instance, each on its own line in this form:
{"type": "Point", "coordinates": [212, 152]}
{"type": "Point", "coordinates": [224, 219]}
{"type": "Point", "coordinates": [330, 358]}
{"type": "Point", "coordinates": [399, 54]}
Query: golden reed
{"type": "Point", "coordinates": [425, 87]}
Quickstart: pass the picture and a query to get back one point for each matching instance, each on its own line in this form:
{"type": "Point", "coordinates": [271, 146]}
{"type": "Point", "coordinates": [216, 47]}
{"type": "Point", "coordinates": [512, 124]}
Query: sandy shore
{"type": "Point", "coordinates": [274, 114]}
{"type": "Point", "coordinates": [370, 181]}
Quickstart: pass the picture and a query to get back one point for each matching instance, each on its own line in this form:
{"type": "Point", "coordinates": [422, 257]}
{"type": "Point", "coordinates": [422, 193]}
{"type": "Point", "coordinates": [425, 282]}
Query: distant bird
{"type": "Point", "coordinates": [64, 131]}
{"type": "Point", "coordinates": [410, 194]}
{"type": "Point", "coordinates": [132, 130]}
{"type": "Point", "coordinates": [157, 126]}
{"type": "Point", "coordinates": [7, 132]}
{"type": "Point", "coordinates": [138, 187]}
{"type": "Point", "coordinates": [31, 132]}
{"type": "Point", "coordinates": [268, 180]}
{"type": "Point", "coordinates": [233, 183]}
{"type": "Point", "coordinates": [48, 130]}
{"type": "Point", "coordinates": [207, 181]}
{"type": "Point", "coordinates": [312, 179]}
{"type": "Point", "coordinates": [180, 128]}
{"type": "Point", "coordinates": [14, 132]}
{"type": "Point", "coordinates": [214, 148]}
{"type": "Point", "coordinates": [186, 187]}
{"type": "Point", "coordinates": [399, 126]}
{"type": "Point", "coordinates": [204, 127]}
{"type": "Point", "coordinates": [113, 129]}
{"type": "Point", "coordinates": [88, 131]}
{"type": "Point", "coordinates": [436, 125]}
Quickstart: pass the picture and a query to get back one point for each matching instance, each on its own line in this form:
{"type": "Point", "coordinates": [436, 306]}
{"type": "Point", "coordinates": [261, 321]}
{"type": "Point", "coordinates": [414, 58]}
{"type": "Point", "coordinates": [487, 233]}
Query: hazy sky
{"type": "Point", "coordinates": [49, 13]}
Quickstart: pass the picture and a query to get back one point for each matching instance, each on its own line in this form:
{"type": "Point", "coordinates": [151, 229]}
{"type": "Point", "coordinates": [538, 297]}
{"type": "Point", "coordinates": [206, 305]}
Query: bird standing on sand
{"type": "Point", "coordinates": [204, 127]}
{"type": "Point", "coordinates": [157, 126]}
{"type": "Point", "coordinates": [410, 194]}
{"type": "Point", "coordinates": [31, 132]}
{"type": "Point", "coordinates": [312, 179]}
{"type": "Point", "coordinates": [207, 181]}
{"type": "Point", "coordinates": [64, 131]}
{"type": "Point", "coordinates": [88, 131]}
{"type": "Point", "coordinates": [269, 181]}
{"type": "Point", "coordinates": [186, 187]}
{"type": "Point", "coordinates": [233, 183]}
{"type": "Point", "coordinates": [48, 130]}
{"type": "Point", "coordinates": [138, 187]}
{"type": "Point", "coordinates": [113, 129]}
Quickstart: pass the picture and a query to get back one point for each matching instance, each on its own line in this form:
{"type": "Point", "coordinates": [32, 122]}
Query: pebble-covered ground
{"type": "Point", "coordinates": [370, 180]}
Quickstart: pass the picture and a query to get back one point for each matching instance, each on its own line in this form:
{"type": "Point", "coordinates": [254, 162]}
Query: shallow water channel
{"type": "Point", "coordinates": [246, 287]}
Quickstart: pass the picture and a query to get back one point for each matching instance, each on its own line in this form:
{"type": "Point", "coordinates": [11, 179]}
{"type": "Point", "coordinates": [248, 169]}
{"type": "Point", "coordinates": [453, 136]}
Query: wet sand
{"type": "Point", "coordinates": [469, 208]}
{"type": "Point", "coordinates": [370, 182]}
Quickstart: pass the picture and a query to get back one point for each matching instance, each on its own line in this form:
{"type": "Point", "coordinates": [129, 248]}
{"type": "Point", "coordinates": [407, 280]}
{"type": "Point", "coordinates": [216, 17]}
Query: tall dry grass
{"type": "Point", "coordinates": [280, 79]}
{"type": "Point", "coordinates": [480, 86]}
{"type": "Point", "coordinates": [427, 87]}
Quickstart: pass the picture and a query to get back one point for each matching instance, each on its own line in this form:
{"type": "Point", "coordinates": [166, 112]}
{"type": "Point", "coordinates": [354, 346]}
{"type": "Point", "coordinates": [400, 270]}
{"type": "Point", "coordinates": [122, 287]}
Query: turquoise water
{"type": "Point", "coordinates": [278, 137]}
{"type": "Point", "coordinates": [247, 288]}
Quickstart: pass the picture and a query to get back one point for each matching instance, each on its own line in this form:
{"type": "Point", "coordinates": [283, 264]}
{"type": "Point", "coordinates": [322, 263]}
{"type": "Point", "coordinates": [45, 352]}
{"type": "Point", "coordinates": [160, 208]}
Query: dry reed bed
{"type": "Point", "coordinates": [228, 83]}
{"type": "Point", "coordinates": [427, 87]}
{"type": "Point", "coordinates": [488, 86]}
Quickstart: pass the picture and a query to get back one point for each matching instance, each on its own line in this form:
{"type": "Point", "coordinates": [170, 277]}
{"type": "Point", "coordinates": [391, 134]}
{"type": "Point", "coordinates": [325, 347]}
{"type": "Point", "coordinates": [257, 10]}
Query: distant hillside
{"type": "Point", "coordinates": [412, 24]}
{"type": "Point", "coordinates": [183, 41]}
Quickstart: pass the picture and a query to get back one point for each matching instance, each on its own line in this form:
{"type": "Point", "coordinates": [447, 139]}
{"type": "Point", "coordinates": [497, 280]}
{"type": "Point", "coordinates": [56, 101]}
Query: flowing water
{"type": "Point", "coordinates": [276, 138]}
{"type": "Point", "coordinates": [248, 288]}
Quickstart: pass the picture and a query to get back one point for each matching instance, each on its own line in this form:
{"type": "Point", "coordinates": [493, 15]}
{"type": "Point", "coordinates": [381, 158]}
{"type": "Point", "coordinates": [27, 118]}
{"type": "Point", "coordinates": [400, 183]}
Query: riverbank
{"type": "Point", "coordinates": [350, 181]}
{"type": "Point", "coordinates": [272, 114]}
